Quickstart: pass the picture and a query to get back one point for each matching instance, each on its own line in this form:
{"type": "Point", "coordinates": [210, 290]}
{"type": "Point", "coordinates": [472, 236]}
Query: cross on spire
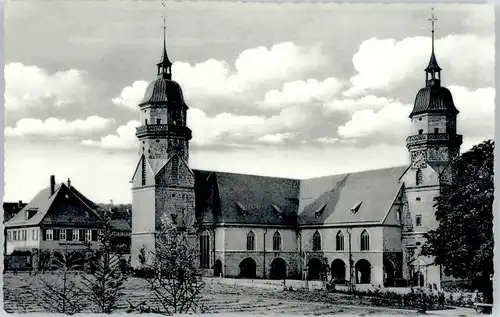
{"type": "Point", "coordinates": [433, 71]}
{"type": "Point", "coordinates": [432, 19]}
{"type": "Point", "coordinates": [164, 66]}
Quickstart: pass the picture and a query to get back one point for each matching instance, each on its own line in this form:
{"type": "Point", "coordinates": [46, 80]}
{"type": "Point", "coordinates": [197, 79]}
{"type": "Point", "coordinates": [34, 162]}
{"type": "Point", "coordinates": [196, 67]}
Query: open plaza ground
{"type": "Point", "coordinates": [229, 296]}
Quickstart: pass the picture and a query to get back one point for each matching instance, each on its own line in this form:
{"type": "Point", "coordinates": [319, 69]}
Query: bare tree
{"type": "Point", "coordinates": [58, 292]}
{"type": "Point", "coordinates": [175, 278]}
{"type": "Point", "coordinates": [304, 253]}
{"type": "Point", "coordinates": [103, 285]}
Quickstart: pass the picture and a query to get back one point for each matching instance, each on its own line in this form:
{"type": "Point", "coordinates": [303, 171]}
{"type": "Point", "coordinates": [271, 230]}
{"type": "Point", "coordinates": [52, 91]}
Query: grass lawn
{"type": "Point", "coordinates": [219, 298]}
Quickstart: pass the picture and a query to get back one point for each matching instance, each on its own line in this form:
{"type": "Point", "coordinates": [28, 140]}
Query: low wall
{"type": "Point", "coordinates": [279, 284]}
{"type": "Point", "coordinates": [262, 283]}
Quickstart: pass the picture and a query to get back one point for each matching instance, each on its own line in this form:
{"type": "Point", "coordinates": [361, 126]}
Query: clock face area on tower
{"type": "Point", "coordinates": [418, 159]}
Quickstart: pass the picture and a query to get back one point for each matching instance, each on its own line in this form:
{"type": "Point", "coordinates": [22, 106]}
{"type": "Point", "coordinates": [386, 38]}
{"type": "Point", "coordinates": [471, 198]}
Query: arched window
{"type": "Point", "coordinates": [143, 170]}
{"type": "Point", "coordinates": [250, 241]}
{"type": "Point", "coordinates": [340, 241]}
{"type": "Point", "coordinates": [204, 250]}
{"type": "Point", "coordinates": [276, 241]}
{"type": "Point", "coordinates": [419, 177]}
{"type": "Point", "coordinates": [316, 241]}
{"type": "Point", "coordinates": [365, 241]}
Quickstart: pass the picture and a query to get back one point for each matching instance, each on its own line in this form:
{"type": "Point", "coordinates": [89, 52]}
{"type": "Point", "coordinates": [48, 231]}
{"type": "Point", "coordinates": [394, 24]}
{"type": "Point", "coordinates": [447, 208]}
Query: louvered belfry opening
{"type": "Point", "coordinates": [143, 168]}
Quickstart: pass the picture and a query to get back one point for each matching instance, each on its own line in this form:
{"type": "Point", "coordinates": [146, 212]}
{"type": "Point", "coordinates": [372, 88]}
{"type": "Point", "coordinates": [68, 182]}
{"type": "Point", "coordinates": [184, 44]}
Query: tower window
{"type": "Point", "coordinates": [143, 167]}
{"type": "Point", "coordinates": [175, 168]}
{"type": "Point", "coordinates": [436, 130]}
{"type": "Point", "coordinates": [418, 220]}
{"type": "Point", "coordinates": [158, 121]}
{"type": "Point", "coordinates": [417, 199]}
{"type": "Point", "coordinates": [421, 131]}
{"type": "Point", "coordinates": [419, 177]}
{"type": "Point", "coordinates": [146, 121]}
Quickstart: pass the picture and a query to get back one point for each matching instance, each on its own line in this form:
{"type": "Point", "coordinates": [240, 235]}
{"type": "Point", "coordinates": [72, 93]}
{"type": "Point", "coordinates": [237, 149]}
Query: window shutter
{"type": "Point", "coordinates": [56, 234]}
{"type": "Point", "coordinates": [44, 233]}
{"type": "Point", "coordinates": [94, 235]}
{"type": "Point", "coordinates": [82, 235]}
{"type": "Point", "coordinates": [69, 235]}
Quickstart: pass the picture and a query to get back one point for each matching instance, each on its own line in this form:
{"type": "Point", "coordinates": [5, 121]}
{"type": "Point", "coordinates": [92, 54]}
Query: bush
{"type": "Point", "coordinates": [143, 272]}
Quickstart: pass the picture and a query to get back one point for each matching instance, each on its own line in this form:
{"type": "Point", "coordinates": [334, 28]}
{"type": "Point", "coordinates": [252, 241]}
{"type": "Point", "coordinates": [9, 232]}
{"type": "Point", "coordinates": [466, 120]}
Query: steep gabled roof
{"type": "Point", "coordinates": [11, 209]}
{"type": "Point", "coordinates": [44, 203]}
{"type": "Point", "coordinates": [369, 193]}
{"type": "Point", "coordinates": [245, 199]}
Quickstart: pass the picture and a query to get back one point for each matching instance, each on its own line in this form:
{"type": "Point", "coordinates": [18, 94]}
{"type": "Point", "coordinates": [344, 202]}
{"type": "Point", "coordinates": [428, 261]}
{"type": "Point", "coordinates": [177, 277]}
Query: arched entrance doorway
{"type": "Point", "coordinates": [314, 269]}
{"type": "Point", "coordinates": [389, 272]}
{"type": "Point", "coordinates": [418, 279]}
{"type": "Point", "coordinates": [278, 269]}
{"type": "Point", "coordinates": [248, 268]}
{"type": "Point", "coordinates": [338, 271]}
{"type": "Point", "coordinates": [218, 268]}
{"type": "Point", "coordinates": [363, 272]}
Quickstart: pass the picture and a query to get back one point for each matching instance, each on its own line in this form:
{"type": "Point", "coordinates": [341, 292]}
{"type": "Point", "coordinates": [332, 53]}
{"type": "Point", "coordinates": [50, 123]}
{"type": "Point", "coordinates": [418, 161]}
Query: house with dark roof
{"type": "Point", "coordinates": [367, 226]}
{"type": "Point", "coordinates": [58, 217]}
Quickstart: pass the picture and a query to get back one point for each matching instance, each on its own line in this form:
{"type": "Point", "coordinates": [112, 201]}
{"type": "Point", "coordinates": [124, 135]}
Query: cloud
{"type": "Point", "coordinates": [355, 104]}
{"type": "Point", "coordinates": [326, 140]}
{"type": "Point", "coordinates": [123, 139]}
{"type": "Point", "coordinates": [55, 127]}
{"type": "Point", "coordinates": [302, 92]}
{"type": "Point", "coordinates": [477, 108]}
{"type": "Point", "coordinates": [277, 138]}
{"type": "Point", "coordinates": [213, 81]}
{"type": "Point", "coordinates": [391, 124]}
{"type": "Point", "coordinates": [382, 64]}
{"type": "Point", "coordinates": [131, 96]}
{"type": "Point", "coordinates": [31, 86]}
{"type": "Point", "coordinates": [392, 120]}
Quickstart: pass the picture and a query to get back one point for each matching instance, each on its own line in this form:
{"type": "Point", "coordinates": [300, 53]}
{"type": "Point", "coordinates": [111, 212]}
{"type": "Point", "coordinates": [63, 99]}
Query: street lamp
{"type": "Point", "coordinates": [352, 281]}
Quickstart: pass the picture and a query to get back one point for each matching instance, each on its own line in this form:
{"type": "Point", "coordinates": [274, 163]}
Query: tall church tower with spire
{"type": "Point", "coordinates": [163, 183]}
{"type": "Point", "coordinates": [432, 144]}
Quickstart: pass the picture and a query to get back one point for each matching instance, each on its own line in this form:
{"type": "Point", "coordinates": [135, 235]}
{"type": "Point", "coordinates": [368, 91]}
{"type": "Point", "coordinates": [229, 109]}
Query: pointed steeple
{"type": "Point", "coordinates": [165, 65]}
{"type": "Point", "coordinates": [433, 71]}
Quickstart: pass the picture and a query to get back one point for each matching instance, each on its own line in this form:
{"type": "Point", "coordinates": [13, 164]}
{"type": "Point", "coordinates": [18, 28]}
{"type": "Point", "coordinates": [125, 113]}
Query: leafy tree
{"type": "Point", "coordinates": [463, 241]}
{"type": "Point", "coordinates": [103, 286]}
{"type": "Point", "coordinates": [58, 292]}
{"type": "Point", "coordinates": [175, 278]}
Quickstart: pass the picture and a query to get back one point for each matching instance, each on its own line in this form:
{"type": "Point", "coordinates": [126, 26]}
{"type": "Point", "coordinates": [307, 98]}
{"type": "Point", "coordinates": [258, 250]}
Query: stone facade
{"type": "Point", "coordinates": [382, 232]}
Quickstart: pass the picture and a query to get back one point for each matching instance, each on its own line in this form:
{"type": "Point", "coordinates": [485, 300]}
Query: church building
{"type": "Point", "coordinates": [368, 225]}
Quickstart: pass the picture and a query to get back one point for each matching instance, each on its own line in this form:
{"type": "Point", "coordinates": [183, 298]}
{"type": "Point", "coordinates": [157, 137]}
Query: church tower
{"type": "Point", "coordinates": [163, 183]}
{"type": "Point", "coordinates": [432, 144]}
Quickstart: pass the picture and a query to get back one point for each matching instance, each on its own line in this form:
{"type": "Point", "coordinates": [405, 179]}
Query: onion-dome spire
{"type": "Point", "coordinates": [165, 65]}
{"type": "Point", "coordinates": [433, 71]}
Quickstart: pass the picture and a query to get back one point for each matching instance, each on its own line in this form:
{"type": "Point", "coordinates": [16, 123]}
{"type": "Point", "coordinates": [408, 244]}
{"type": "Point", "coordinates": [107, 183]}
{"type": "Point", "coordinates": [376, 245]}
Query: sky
{"type": "Point", "coordinates": [287, 90]}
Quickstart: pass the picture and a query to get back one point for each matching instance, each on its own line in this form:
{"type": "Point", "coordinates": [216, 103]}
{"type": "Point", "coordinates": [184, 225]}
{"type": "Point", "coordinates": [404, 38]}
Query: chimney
{"type": "Point", "coordinates": [20, 204]}
{"type": "Point", "coordinates": [69, 183]}
{"type": "Point", "coordinates": [52, 184]}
